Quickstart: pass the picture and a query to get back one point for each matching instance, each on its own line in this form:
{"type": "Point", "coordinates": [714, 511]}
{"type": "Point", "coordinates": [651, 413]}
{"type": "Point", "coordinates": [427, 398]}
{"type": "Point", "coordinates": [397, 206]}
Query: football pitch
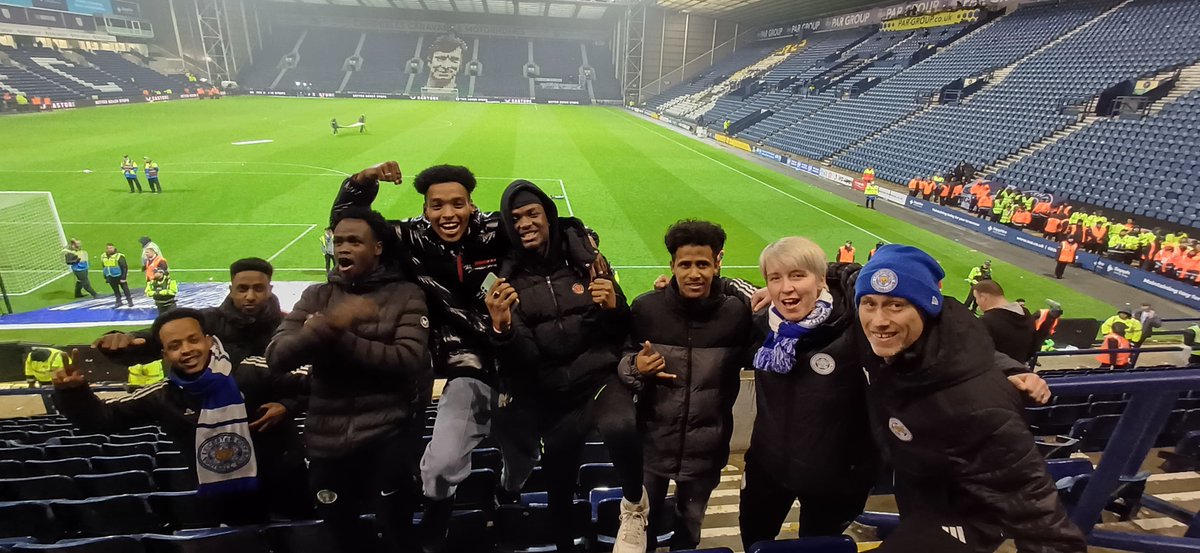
{"type": "Point", "coordinates": [255, 176]}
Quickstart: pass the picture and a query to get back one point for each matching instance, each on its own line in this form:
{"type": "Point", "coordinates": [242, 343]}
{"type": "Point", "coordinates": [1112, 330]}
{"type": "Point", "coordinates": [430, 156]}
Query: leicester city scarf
{"type": "Point", "coordinates": [778, 352]}
{"type": "Point", "coordinates": [225, 460]}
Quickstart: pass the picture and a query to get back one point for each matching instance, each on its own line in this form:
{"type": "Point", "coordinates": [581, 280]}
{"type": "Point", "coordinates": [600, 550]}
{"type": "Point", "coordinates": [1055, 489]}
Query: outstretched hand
{"type": "Point", "coordinates": [117, 341]}
{"type": "Point", "coordinates": [388, 171]}
{"type": "Point", "coordinates": [70, 376]}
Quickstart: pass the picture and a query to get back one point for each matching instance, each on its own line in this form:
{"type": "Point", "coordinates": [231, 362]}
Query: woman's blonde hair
{"type": "Point", "coordinates": [792, 253]}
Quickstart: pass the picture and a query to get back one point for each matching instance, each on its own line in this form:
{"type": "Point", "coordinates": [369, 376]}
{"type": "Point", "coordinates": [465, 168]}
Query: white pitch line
{"type": "Point", "coordinates": [566, 198]}
{"type": "Point", "coordinates": [294, 240]}
{"type": "Point", "coordinates": [651, 130]}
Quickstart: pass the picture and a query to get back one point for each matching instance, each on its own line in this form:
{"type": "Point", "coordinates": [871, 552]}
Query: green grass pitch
{"type": "Point", "coordinates": [627, 178]}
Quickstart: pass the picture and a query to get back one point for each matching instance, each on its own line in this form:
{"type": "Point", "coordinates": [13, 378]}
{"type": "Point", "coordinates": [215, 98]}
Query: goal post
{"type": "Point", "coordinates": [31, 242]}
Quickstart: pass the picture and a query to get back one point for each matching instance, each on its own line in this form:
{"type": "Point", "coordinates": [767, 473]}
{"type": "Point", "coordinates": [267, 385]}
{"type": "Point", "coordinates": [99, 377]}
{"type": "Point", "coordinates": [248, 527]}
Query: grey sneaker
{"type": "Point", "coordinates": [631, 536]}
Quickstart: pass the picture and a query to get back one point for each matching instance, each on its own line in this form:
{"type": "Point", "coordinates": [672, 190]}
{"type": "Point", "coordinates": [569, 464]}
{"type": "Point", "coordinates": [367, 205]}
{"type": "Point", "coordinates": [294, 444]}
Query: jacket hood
{"type": "Point", "coordinates": [955, 347]}
{"type": "Point", "coordinates": [568, 241]}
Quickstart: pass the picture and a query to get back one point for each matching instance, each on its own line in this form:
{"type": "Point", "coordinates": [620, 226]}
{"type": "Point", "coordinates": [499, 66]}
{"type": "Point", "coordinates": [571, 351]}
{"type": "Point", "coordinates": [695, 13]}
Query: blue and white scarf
{"type": "Point", "coordinates": [225, 461]}
{"type": "Point", "coordinates": [778, 352]}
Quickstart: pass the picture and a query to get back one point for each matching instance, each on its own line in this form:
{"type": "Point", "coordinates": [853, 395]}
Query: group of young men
{"type": "Point", "coordinates": [541, 349]}
{"type": "Point", "coordinates": [129, 168]}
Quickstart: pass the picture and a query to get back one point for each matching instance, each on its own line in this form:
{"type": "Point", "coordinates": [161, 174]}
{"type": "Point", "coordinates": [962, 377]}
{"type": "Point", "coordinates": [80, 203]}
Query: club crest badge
{"type": "Point", "coordinates": [224, 453]}
{"type": "Point", "coordinates": [577, 288]}
{"type": "Point", "coordinates": [899, 430]}
{"type": "Point", "coordinates": [822, 364]}
{"type": "Point", "coordinates": [884, 281]}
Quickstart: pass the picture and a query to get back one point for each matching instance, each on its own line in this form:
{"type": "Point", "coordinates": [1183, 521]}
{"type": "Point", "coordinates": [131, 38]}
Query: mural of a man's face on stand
{"type": "Point", "coordinates": [445, 59]}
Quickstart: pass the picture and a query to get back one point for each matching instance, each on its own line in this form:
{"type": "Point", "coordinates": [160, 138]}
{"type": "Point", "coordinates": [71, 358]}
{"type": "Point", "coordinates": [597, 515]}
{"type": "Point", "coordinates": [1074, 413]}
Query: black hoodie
{"type": "Point", "coordinates": [242, 335]}
{"type": "Point", "coordinates": [561, 344]}
{"type": "Point", "coordinates": [953, 428]}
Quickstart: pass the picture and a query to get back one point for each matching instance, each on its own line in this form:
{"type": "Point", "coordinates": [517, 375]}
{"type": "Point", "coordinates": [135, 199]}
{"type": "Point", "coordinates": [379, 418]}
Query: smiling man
{"type": "Point", "coordinates": [559, 322]}
{"type": "Point", "coordinates": [450, 249]}
{"type": "Point", "coordinates": [244, 322]}
{"type": "Point", "coordinates": [234, 418]}
{"type": "Point", "coordinates": [688, 342]}
{"type": "Point", "coordinates": [967, 472]}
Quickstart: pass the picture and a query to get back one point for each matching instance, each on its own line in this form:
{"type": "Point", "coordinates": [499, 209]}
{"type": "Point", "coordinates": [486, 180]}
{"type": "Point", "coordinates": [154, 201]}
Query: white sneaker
{"type": "Point", "coordinates": [631, 537]}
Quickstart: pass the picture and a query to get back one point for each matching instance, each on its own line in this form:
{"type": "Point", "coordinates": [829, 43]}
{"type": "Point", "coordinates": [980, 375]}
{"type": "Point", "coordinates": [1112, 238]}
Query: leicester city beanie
{"type": "Point", "coordinates": [904, 272]}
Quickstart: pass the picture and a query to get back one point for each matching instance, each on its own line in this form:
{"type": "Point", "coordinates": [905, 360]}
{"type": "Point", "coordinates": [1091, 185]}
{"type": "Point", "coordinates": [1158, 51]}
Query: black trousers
{"type": "Point", "coordinates": [969, 301]}
{"type": "Point", "coordinates": [947, 533]}
{"type": "Point", "coordinates": [154, 185]}
{"type": "Point", "coordinates": [1059, 268]}
{"type": "Point", "coordinates": [83, 284]}
{"type": "Point", "coordinates": [133, 181]}
{"type": "Point", "coordinates": [564, 431]}
{"type": "Point", "coordinates": [118, 286]}
{"type": "Point", "coordinates": [379, 477]}
{"type": "Point", "coordinates": [691, 500]}
{"type": "Point", "coordinates": [765, 503]}
{"type": "Point", "coordinates": [870, 202]}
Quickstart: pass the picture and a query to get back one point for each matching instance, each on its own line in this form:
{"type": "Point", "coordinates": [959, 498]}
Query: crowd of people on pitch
{"type": "Point", "coordinates": [160, 287]}
{"type": "Point", "coordinates": [524, 317]}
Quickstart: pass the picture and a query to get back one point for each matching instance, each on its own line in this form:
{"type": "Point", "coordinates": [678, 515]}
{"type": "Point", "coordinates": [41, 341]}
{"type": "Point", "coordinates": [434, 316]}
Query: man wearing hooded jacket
{"type": "Point", "coordinates": [961, 487]}
{"type": "Point", "coordinates": [560, 320]}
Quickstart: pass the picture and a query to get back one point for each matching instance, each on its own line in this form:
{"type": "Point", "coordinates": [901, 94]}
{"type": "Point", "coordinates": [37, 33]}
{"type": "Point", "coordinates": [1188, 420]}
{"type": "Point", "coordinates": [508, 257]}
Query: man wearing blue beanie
{"type": "Point", "coordinates": [968, 474]}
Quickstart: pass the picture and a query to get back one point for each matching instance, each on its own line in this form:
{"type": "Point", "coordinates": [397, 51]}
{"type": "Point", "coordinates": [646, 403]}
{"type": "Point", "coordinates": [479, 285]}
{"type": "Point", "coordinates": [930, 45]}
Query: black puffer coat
{"type": "Point", "coordinates": [688, 420]}
{"type": "Point", "coordinates": [954, 429]}
{"type": "Point", "coordinates": [561, 344]}
{"type": "Point", "coordinates": [370, 379]}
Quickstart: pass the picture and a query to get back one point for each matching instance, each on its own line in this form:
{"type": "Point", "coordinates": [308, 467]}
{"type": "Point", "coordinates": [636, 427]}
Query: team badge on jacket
{"type": "Point", "coordinates": [899, 430]}
{"type": "Point", "coordinates": [577, 288]}
{"type": "Point", "coordinates": [822, 363]}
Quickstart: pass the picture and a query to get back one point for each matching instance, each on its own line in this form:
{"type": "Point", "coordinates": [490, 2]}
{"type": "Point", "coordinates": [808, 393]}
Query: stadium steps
{"type": "Point", "coordinates": [294, 52]}
{"type": "Point", "coordinates": [1041, 144]}
{"type": "Point", "coordinates": [1000, 74]}
{"type": "Point", "coordinates": [357, 54]}
{"type": "Point", "coordinates": [1189, 80]}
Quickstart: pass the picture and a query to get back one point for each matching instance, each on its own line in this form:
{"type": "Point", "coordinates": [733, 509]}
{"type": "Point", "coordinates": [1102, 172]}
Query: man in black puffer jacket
{"type": "Point", "coordinates": [565, 334]}
{"type": "Point", "coordinates": [244, 322]}
{"type": "Point", "coordinates": [968, 474]}
{"type": "Point", "coordinates": [364, 333]}
{"type": "Point", "coordinates": [688, 342]}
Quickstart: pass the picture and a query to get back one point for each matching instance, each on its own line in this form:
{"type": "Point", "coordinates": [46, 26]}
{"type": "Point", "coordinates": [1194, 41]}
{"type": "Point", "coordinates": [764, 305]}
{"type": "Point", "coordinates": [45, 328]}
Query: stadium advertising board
{"type": "Point", "coordinates": [126, 8]}
{"type": "Point", "coordinates": [1137, 278]}
{"type": "Point", "coordinates": [768, 154]}
{"type": "Point", "coordinates": [739, 144]}
{"type": "Point", "coordinates": [789, 30]}
{"type": "Point", "coordinates": [829, 174]}
{"type": "Point", "coordinates": [858, 184]}
{"type": "Point", "coordinates": [941, 19]}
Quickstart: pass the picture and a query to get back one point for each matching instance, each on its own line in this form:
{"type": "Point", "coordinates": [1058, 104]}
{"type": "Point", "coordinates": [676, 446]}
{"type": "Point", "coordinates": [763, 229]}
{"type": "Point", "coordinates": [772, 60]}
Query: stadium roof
{"type": "Point", "coordinates": [765, 11]}
{"type": "Point", "coordinates": [559, 9]}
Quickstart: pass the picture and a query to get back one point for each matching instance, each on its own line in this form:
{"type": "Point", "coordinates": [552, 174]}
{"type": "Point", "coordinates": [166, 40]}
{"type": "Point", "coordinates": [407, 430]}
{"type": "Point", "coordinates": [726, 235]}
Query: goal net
{"type": "Point", "coordinates": [31, 242]}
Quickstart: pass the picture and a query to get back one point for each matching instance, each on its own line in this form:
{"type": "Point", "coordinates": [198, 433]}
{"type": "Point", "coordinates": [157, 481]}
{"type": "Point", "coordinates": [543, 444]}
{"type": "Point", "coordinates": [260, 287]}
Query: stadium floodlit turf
{"type": "Point", "coordinates": [627, 178]}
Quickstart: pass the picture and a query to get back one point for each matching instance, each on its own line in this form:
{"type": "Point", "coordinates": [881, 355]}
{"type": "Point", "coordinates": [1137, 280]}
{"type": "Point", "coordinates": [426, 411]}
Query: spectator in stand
{"type": "Point", "coordinates": [1115, 339]}
{"type": "Point", "coordinates": [130, 169]}
{"type": "Point", "coordinates": [244, 322]}
{"type": "Point", "coordinates": [207, 396]}
{"type": "Point", "coordinates": [365, 334]}
{"type": "Point", "coordinates": [1067, 255]}
{"type": "Point", "coordinates": [77, 259]}
{"type": "Point", "coordinates": [845, 254]}
{"type": "Point", "coordinates": [116, 273]}
{"type": "Point", "coordinates": [968, 486]}
{"type": "Point", "coordinates": [561, 320]}
{"type": "Point", "coordinates": [689, 329]}
{"type": "Point", "coordinates": [1009, 325]}
{"type": "Point", "coordinates": [162, 289]}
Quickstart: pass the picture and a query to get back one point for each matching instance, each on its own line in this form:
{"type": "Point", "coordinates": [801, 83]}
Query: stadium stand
{"type": "Point", "coordinates": [503, 71]}
{"type": "Point", "coordinates": [322, 56]}
{"type": "Point", "coordinates": [384, 57]}
{"type": "Point", "coordinates": [137, 74]}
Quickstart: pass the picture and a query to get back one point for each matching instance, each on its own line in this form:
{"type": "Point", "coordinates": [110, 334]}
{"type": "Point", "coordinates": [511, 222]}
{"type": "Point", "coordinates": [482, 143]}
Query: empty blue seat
{"type": "Point", "coordinates": [106, 516]}
{"type": "Point", "coordinates": [117, 483]}
{"type": "Point", "coordinates": [114, 544]}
